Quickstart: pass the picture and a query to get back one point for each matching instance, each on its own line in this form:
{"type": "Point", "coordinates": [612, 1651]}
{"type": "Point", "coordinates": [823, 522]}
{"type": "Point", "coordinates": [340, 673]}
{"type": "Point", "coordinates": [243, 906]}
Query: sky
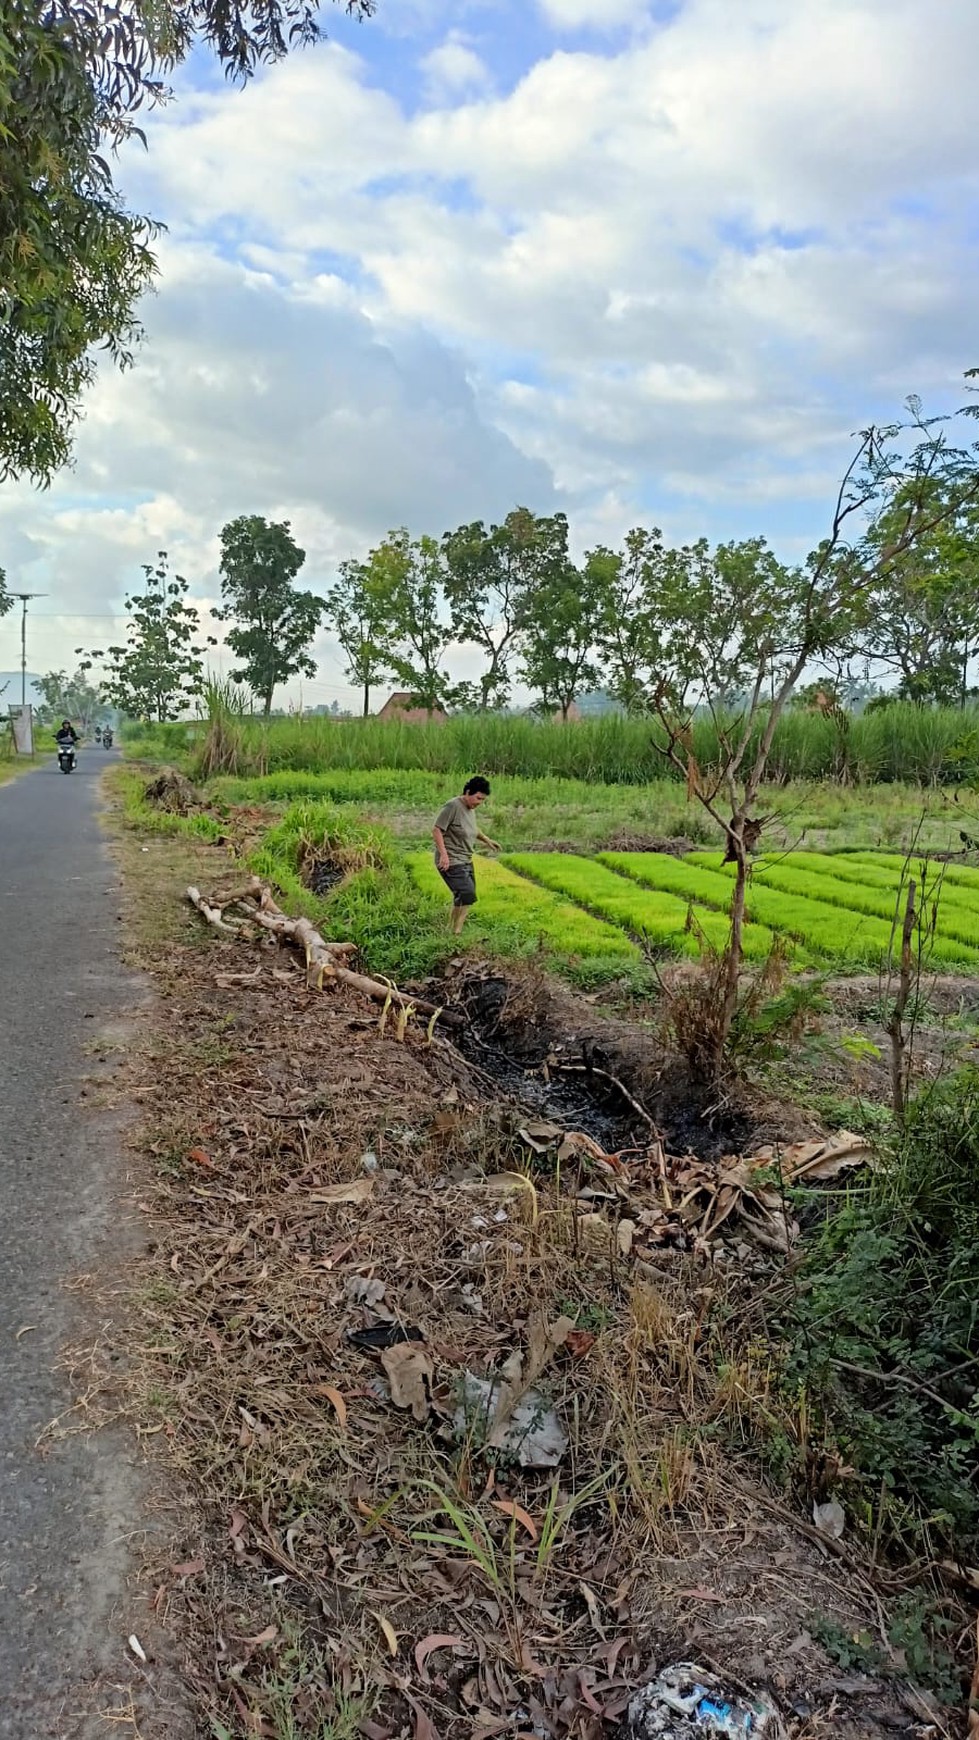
{"type": "Point", "coordinates": [644, 261]}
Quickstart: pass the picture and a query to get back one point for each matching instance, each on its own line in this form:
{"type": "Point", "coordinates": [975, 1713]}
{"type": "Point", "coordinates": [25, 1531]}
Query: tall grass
{"type": "Point", "coordinates": [928, 745]}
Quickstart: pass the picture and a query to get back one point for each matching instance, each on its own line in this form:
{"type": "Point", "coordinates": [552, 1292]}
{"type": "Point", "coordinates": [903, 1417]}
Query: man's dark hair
{"type": "Point", "coordinates": [472, 786]}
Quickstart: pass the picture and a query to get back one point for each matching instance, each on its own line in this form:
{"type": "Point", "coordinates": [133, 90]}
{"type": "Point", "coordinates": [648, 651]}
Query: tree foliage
{"type": "Point", "coordinates": [73, 260]}
{"type": "Point", "coordinates": [160, 669]}
{"type": "Point", "coordinates": [562, 611]}
{"type": "Point", "coordinates": [71, 697]}
{"type": "Point", "coordinates": [6, 600]}
{"type": "Point", "coordinates": [925, 617]}
{"type": "Point", "coordinates": [360, 610]}
{"type": "Point", "coordinates": [489, 578]}
{"type": "Point", "coordinates": [274, 624]}
{"type": "Point", "coordinates": [411, 574]}
{"type": "Point", "coordinates": [736, 629]}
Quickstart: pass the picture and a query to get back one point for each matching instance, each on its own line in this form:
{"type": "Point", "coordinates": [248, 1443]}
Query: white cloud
{"type": "Point", "coordinates": [592, 14]}
{"type": "Point", "coordinates": [454, 68]}
{"type": "Point", "coordinates": [686, 268]}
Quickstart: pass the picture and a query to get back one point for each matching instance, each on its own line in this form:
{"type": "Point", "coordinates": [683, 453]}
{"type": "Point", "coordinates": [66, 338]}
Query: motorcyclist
{"type": "Point", "coordinates": [98, 733]}
{"type": "Point", "coordinates": [66, 733]}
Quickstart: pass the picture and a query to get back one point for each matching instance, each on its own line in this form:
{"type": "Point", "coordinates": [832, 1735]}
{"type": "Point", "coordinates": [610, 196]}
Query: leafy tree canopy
{"type": "Point", "coordinates": [274, 625]}
{"type": "Point", "coordinates": [160, 669]}
{"type": "Point", "coordinates": [361, 610]}
{"type": "Point", "coordinates": [489, 577]}
{"type": "Point", "coordinates": [71, 697]}
{"type": "Point", "coordinates": [73, 260]}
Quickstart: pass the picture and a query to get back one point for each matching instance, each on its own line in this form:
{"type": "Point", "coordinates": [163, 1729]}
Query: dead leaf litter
{"type": "Point", "coordinates": [448, 1402]}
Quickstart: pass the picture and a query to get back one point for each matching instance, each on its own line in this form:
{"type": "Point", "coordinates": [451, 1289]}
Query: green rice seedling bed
{"type": "Point", "coordinates": [841, 931]}
{"type": "Point", "coordinates": [891, 876]}
{"type": "Point", "coordinates": [954, 923]}
{"type": "Point", "coordinates": [508, 903]}
{"type": "Point", "coordinates": [662, 918]}
{"type": "Point", "coordinates": [961, 877]}
{"type": "Point", "coordinates": [835, 931]}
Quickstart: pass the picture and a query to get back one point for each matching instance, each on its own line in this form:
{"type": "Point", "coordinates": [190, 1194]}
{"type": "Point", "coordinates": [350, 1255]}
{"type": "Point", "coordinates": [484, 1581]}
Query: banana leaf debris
{"type": "Point", "coordinates": [647, 1197]}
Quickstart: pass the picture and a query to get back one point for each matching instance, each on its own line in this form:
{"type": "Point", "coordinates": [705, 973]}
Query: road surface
{"type": "Point", "coordinates": [65, 1515]}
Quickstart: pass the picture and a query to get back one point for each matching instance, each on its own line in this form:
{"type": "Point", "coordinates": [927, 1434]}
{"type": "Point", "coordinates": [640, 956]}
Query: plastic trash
{"type": "Point", "coordinates": [688, 1701]}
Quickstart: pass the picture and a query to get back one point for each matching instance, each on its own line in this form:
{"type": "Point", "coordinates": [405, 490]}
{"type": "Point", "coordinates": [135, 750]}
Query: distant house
{"type": "Point", "coordinates": [400, 706]}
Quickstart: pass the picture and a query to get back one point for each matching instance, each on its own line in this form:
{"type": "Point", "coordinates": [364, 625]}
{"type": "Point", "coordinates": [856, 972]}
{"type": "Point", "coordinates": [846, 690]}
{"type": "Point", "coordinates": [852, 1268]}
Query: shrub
{"type": "Point", "coordinates": [885, 1327]}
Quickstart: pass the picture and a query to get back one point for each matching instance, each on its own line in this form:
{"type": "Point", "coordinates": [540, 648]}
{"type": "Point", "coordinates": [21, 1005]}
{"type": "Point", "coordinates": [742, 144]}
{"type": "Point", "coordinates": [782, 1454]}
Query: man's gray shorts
{"type": "Point", "coordinates": [461, 878]}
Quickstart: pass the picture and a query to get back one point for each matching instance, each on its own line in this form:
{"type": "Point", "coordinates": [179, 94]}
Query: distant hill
{"type": "Point", "coordinates": [10, 689]}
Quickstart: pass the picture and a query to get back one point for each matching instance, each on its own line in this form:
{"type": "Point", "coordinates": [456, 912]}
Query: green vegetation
{"type": "Point", "coordinates": [885, 1331]}
{"type": "Point", "coordinates": [954, 918]}
{"type": "Point", "coordinates": [836, 930]}
{"type": "Point", "coordinates": [901, 744]}
{"type": "Point", "coordinates": [515, 917]}
{"type": "Point", "coordinates": [660, 920]}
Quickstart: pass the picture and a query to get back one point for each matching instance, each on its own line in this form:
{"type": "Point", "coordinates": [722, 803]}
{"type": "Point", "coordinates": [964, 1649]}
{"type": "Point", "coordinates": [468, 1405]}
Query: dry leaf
{"type": "Point", "coordinates": [358, 1190]}
{"type": "Point", "coordinates": [390, 1635]}
{"type": "Point", "coordinates": [540, 1135]}
{"type": "Point", "coordinates": [424, 1727]}
{"type": "Point", "coordinates": [409, 1369]}
{"type": "Point", "coordinates": [424, 1649]}
{"type": "Point", "coordinates": [269, 1635]}
{"type": "Point", "coordinates": [137, 1648]}
{"type": "Point", "coordinates": [335, 1400]}
{"type": "Point", "coordinates": [580, 1342]}
{"type": "Point", "coordinates": [190, 1568]}
{"type": "Point", "coordinates": [625, 1235]}
{"type": "Point", "coordinates": [511, 1508]}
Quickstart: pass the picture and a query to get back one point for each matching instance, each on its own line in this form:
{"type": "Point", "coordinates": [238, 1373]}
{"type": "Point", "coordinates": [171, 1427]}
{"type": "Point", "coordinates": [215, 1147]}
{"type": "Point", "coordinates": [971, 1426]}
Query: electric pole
{"type": "Point", "coordinates": [25, 598]}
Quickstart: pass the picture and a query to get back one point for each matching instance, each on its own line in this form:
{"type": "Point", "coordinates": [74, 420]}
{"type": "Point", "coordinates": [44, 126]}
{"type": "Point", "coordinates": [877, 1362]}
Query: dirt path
{"type": "Point", "coordinates": [69, 1506]}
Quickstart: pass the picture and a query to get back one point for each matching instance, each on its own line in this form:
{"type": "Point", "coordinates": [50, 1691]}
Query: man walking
{"type": "Point", "coordinates": [455, 834]}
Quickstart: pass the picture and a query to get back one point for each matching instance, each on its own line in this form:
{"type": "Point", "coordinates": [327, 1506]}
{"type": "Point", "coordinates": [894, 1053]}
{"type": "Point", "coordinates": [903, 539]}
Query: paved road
{"type": "Point", "coordinates": [64, 1516]}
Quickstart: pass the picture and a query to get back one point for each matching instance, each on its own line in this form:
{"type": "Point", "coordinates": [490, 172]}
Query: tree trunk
{"type": "Point", "coordinates": [267, 709]}
{"type": "Point", "coordinates": [367, 699]}
{"type": "Point", "coordinates": [895, 1026]}
{"type": "Point", "coordinates": [731, 977]}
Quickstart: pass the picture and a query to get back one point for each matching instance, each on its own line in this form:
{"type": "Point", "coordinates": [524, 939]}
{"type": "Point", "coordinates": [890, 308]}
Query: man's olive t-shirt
{"type": "Point", "coordinates": [458, 825]}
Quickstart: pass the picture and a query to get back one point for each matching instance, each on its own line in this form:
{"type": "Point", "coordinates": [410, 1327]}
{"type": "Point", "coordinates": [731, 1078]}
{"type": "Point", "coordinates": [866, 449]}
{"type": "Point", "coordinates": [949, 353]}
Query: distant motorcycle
{"type": "Point", "coordinates": [106, 738]}
{"type": "Point", "coordinates": [66, 756]}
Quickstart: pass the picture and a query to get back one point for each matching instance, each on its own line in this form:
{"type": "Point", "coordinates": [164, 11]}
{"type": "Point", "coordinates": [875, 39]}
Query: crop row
{"type": "Point", "coordinates": [840, 918]}
{"type": "Point", "coordinates": [517, 912]}
{"type": "Point", "coordinates": [661, 919]}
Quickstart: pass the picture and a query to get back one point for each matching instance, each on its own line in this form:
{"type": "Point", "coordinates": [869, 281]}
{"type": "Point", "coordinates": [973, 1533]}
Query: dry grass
{"type": "Point", "coordinates": [332, 1533]}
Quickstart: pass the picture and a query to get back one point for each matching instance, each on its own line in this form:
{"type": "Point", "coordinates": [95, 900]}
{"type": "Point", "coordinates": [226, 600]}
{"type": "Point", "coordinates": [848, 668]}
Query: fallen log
{"type": "Point", "coordinates": [213, 914]}
{"type": "Point", "coordinates": [323, 959]}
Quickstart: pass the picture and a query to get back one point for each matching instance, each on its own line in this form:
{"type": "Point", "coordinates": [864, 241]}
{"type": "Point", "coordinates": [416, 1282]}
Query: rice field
{"type": "Point", "coordinates": [828, 909]}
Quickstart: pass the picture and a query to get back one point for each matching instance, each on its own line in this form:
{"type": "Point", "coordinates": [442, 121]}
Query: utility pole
{"type": "Point", "coordinates": [25, 598]}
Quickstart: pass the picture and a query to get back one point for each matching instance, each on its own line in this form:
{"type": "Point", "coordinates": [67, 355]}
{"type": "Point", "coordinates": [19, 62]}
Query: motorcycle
{"type": "Point", "coordinates": [66, 757]}
{"type": "Point", "coordinates": [107, 738]}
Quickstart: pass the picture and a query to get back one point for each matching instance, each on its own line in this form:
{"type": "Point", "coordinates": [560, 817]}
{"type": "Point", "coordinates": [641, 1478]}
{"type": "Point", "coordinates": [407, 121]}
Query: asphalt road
{"type": "Point", "coordinates": [67, 1514]}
